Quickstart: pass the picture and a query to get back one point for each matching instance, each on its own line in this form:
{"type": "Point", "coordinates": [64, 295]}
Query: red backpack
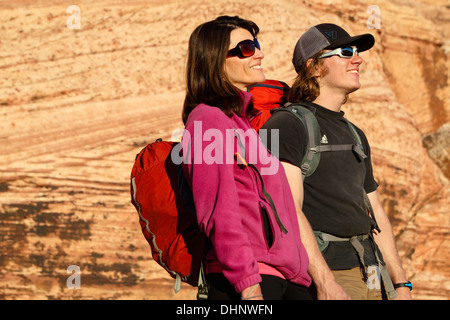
{"type": "Point", "coordinates": [268, 95]}
{"type": "Point", "coordinates": [163, 201]}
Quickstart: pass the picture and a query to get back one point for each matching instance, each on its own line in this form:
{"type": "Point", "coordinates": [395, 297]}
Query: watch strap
{"type": "Point", "coordinates": [404, 284]}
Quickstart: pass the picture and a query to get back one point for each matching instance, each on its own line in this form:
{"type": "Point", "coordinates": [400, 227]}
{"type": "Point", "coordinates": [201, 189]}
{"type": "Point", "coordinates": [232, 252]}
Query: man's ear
{"type": "Point", "coordinates": [314, 69]}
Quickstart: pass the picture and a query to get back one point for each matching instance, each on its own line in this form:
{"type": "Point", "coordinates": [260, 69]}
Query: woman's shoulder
{"type": "Point", "coordinates": [208, 114]}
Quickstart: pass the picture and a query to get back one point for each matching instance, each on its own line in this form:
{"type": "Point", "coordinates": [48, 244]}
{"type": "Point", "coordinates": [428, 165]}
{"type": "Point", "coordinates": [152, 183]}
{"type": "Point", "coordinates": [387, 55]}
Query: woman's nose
{"type": "Point", "coordinates": [258, 54]}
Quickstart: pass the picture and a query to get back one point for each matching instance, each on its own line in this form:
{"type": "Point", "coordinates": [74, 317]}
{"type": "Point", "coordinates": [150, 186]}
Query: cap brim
{"type": "Point", "coordinates": [363, 42]}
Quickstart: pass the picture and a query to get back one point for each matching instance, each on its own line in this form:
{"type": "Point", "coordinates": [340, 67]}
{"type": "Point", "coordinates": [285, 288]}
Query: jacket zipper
{"type": "Point", "coordinates": [244, 164]}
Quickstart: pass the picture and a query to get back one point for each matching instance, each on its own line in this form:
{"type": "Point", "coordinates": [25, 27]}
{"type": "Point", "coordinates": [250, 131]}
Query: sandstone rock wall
{"type": "Point", "coordinates": [78, 104]}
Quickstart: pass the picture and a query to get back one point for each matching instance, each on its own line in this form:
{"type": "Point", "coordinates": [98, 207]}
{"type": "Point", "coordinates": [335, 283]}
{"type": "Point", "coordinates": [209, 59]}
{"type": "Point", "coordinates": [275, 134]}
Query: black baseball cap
{"type": "Point", "coordinates": [327, 36]}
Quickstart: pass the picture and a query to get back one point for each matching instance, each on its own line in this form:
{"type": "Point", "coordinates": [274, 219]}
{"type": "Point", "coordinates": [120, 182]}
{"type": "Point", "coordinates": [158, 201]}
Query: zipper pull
{"type": "Point", "coordinates": [241, 161]}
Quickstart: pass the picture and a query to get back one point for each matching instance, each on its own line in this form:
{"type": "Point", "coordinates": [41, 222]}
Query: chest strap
{"type": "Point", "coordinates": [356, 243]}
{"type": "Point", "coordinates": [340, 147]}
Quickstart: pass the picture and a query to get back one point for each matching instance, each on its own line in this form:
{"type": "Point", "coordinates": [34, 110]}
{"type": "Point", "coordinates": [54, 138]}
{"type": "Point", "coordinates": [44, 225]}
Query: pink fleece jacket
{"type": "Point", "coordinates": [229, 200]}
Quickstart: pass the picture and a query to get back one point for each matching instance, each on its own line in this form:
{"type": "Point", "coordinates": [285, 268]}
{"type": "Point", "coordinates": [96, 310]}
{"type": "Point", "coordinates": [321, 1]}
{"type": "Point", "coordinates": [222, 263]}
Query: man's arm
{"type": "Point", "coordinates": [386, 242]}
{"type": "Point", "coordinates": [327, 287]}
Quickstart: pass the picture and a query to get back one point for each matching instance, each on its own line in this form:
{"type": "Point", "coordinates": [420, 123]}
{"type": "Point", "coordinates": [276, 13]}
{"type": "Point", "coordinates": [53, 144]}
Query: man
{"type": "Point", "coordinates": [334, 200]}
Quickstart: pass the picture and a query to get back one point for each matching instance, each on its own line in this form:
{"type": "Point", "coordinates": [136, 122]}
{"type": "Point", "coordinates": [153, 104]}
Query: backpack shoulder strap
{"type": "Point", "coordinates": [358, 147]}
{"type": "Point", "coordinates": [314, 147]}
{"type": "Point", "coordinates": [311, 158]}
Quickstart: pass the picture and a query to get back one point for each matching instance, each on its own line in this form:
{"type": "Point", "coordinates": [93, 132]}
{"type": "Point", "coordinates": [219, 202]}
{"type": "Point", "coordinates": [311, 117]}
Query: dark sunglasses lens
{"type": "Point", "coordinates": [247, 48]}
{"type": "Point", "coordinates": [347, 52]}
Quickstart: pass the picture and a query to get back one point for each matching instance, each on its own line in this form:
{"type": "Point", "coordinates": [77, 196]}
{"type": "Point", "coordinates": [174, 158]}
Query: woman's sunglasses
{"type": "Point", "coordinates": [347, 52]}
{"type": "Point", "coordinates": [245, 49]}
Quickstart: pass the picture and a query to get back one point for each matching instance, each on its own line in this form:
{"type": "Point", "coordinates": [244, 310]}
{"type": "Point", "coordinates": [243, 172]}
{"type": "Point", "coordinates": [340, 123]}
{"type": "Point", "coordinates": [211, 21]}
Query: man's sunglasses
{"type": "Point", "coordinates": [347, 52]}
{"type": "Point", "coordinates": [245, 49]}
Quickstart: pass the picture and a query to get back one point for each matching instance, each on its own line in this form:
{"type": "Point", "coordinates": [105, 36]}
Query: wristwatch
{"type": "Point", "coordinates": [404, 284]}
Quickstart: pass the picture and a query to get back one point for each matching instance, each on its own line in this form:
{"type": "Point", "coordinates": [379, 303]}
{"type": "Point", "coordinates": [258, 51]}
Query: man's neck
{"type": "Point", "coordinates": [333, 103]}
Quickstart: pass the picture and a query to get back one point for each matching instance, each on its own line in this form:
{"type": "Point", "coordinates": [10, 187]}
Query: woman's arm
{"type": "Point", "coordinates": [216, 198]}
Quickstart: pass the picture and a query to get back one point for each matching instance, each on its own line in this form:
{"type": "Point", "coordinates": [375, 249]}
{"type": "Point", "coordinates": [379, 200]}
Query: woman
{"type": "Point", "coordinates": [244, 207]}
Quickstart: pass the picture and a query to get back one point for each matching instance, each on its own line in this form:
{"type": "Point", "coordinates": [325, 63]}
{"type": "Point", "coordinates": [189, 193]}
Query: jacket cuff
{"type": "Point", "coordinates": [247, 282]}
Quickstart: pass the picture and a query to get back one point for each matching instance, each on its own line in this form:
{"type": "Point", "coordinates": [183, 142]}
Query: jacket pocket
{"type": "Point", "coordinates": [268, 233]}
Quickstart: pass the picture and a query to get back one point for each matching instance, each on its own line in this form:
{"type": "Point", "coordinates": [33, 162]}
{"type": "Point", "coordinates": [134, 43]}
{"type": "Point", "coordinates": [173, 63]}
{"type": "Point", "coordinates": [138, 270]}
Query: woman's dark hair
{"type": "Point", "coordinates": [207, 81]}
